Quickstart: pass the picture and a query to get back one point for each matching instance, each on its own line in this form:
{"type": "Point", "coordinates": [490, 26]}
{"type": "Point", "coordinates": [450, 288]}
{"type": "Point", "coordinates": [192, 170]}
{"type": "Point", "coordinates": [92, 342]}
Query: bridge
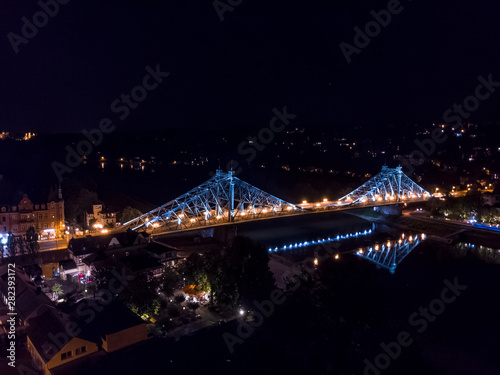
{"type": "Point", "coordinates": [225, 199]}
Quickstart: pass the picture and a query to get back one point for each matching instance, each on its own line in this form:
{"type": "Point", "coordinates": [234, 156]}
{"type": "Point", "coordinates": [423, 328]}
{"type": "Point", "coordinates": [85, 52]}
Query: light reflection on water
{"type": "Point", "coordinates": [486, 254]}
{"type": "Point", "coordinates": [386, 251]}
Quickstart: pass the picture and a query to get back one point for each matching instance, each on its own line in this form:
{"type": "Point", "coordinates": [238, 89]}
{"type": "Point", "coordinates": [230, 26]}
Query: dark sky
{"type": "Point", "coordinates": [264, 54]}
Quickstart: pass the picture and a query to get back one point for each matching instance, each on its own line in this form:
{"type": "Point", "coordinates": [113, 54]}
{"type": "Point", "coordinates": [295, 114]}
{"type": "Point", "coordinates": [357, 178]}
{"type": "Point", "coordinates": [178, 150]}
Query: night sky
{"type": "Point", "coordinates": [229, 74]}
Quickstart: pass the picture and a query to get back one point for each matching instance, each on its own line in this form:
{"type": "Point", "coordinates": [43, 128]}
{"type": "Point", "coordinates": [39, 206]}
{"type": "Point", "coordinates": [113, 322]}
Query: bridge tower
{"type": "Point", "coordinates": [391, 184]}
{"type": "Point", "coordinates": [222, 199]}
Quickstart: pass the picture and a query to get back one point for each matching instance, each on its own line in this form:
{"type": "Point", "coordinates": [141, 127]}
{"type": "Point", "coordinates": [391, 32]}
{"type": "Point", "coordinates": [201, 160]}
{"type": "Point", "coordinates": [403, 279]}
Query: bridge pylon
{"type": "Point", "coordinates": [222, 199]}
{"type": "Point", "coordinates": [391, 184]}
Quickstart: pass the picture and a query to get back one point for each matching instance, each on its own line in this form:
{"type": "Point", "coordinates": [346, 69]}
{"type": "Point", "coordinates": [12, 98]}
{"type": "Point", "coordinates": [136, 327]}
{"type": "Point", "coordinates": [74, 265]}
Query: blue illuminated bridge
{"type": "Point", "coordinates": [225, 199]}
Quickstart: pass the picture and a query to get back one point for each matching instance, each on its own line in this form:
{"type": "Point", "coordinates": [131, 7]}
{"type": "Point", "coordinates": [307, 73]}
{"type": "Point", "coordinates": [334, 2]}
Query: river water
{"type": "Point", "coordinates": [461, 339]}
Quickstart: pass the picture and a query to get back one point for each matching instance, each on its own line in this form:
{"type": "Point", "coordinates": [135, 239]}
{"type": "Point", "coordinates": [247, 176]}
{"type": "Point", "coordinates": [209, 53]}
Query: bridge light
{"type": "Point", "coordinates": [376, 247]}
{"type": "Point", "coordinates": [156, 225]}
{"type": "Point", "coordinates": [243, 213]}
{"type": "Point", "coordinates": [410, 239]}
{"type": "Point", "coordinates": [325, 200]}
{"type": "Point", "coordinates": [388, 243]}
{"type": "Point", "coordinates": [219, 216]}
{"type": "Point", "coordinates": [192, 220]}
{"type": "Point", "coordinates": [423, 236]}
{"type": "Point", "coordinates": [289, 208]}
{"type": "Point", "coordinates": [337, 256]}
{"type": "Point", "coordinates": [264, 210]}
{"type": "Point", "coordinates": [304, 202]}
{"type": "Point", "coordinates": [399, 242]}
{"type": "Point", "coordinates": [317, 204]}
{"type": "Point", "coordinates": [360, 251]}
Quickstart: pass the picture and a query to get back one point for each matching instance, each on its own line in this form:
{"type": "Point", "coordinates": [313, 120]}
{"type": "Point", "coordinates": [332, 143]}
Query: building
{"type": "Point", "coordinates": [56, 339]}
{"type": "Point", "coordinates": [100, 218]}
{"type": "Point", "coordinates": [91, 251]}
{"type": "Point", "coordinates": [30, 300]}
{"type": "Point", "coordinates": [47, 217]}
{"type": "Point", "coordinates": [51, 344]}
{"type": "Point", "coordinates": [166, 254]}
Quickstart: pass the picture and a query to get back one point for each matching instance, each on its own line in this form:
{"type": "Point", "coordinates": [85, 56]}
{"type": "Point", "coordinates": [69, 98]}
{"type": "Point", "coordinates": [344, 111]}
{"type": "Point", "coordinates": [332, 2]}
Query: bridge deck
{"type": "Point", "coordinates": [323, 208]}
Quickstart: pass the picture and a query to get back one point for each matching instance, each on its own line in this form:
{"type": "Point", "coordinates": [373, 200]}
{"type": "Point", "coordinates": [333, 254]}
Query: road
{"type": "Point", "coordinates": [49, 245]}
{"type": "Point", "coordinates": [306, 209]}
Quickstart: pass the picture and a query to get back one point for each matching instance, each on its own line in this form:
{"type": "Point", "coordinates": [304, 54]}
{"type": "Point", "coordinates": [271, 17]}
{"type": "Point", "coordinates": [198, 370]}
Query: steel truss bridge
{"type": "Point", "coordinates": [225, 199]}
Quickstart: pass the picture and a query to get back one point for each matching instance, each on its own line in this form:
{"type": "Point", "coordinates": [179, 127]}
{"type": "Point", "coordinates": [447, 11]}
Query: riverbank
{"type": "Point", "coordinates": [437, 227]}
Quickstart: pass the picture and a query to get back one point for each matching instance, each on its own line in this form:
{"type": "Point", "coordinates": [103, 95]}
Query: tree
{"type": "Point", "coordinates": [239, 274]}
{"type": "Point", "coordinates": [169, 281]}
{"type": "Point", "coordinates": [435, 206]}
{"type": "Point", "coordinates": [91, 289]}
{"type": "Point", "coordinates": [487, 215]}
{"type": "Point", "coordinates": [102, 277]}
{"type": "Point", "coordinates": [193, 305]}
{"type": "Point", "coordinates": [31, 241]}
{"type": "Point", "coordinates": [253, 278]}
{"type": "Point", "coordinates": [129, 213]}
{"type": "Point", "coordinates": [57, 290]}
{"type": "Point", "coordinates": [13, 245]}
{"type": "Point", "coordinates": [78, 203]}
{"type": "Point", "coordinates": [179, 298]}
{"type": "Point", "coordinates": [173, 311]}
{"type": "Point", "coordinates": [142, 294]}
